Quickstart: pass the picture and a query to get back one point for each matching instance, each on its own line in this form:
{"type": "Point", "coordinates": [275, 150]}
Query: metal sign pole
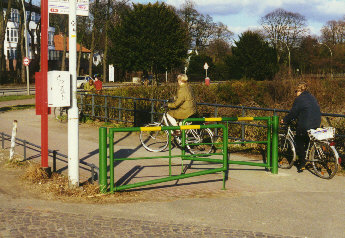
{"type": "Point", "coordinates": [73, 117]}
{"type": "Point", "coordinates": [44, 87]}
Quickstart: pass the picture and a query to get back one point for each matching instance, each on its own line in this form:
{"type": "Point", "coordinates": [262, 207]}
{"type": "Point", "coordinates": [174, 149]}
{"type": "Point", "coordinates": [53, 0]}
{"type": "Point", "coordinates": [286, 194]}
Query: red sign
{"type": "Point", "coordinates": [26, 61]}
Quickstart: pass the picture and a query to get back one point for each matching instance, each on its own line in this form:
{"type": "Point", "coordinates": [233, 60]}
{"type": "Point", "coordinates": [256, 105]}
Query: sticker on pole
{"type": "Point", "coordinates": [26, 61]}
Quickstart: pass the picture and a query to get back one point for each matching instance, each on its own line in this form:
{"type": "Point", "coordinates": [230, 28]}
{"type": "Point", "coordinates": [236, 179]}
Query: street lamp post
{"type": "Point", "coordinates": [331, 57]}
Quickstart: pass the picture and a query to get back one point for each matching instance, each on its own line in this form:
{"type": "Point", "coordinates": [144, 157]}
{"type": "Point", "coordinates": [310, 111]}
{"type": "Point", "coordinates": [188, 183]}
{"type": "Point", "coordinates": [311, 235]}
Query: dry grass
{"type": "Point", "coordinates": [57, 184]}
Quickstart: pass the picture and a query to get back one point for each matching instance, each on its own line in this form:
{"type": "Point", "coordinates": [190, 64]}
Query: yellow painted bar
{"type": "Point", "coordinates": [213, 119]}
{"type": "Point", "coordinates": [152, 128]}
{"type": "Point", "coordinates": [190, 127]}
{"type": "Point", "coordinates": [245, 119]}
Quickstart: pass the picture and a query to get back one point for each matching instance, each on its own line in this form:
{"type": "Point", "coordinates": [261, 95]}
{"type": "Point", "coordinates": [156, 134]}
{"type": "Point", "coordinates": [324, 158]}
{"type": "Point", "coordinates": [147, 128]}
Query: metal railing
{"type": "Point", "coordinates": [271, 140]}
{"type": "Point", "coordinates": [131, 110]}
{"type": "Point", "coordinates": [103, 154]}
{"type": "Point", "coordinates": [53, 154]}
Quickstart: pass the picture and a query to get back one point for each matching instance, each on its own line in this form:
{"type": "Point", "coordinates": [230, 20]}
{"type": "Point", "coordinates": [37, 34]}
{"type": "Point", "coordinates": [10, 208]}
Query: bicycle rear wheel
{"type": "Point", "coordinates": [286, 152]}
{"type": "Point", "coordinates": [199, 141]}
{"type": "Point", "coordinates": [60, 114]}
{"type": "Point", "coordinates": [154, 141]}
{"type": "Point", "coordinates": [324, 160]}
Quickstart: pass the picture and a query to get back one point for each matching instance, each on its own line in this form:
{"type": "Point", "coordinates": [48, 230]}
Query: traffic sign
{"type": "Point", "coordinates": [62, 7]}
{"type": "Point", "coordinates": [26, 61]}
{"type": "Point", "coordinates": [206, 66]}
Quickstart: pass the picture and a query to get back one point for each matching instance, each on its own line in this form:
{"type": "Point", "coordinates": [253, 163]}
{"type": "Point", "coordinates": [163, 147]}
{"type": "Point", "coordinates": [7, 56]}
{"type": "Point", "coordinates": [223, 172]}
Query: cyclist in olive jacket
{"type": "Point", "coordinates": [306, 111]}
{"type": "Point", "coordinates": [184, 105]}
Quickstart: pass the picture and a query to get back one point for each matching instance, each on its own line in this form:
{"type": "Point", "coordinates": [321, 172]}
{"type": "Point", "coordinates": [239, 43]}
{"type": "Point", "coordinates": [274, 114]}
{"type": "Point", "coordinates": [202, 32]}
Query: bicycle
{"type": "Point", "coordinates": [321, 152]}
{"type": "Point", "coordinates": [61, 114]}
{"type": "Point", "coordinates": [198, 141]}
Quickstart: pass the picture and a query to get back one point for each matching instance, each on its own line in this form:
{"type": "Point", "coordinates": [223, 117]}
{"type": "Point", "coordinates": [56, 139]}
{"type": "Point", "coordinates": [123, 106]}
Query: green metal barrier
{"type": "Point", "coordinates": [271, 142]}
{"type": "Point", "coordinates": [103, 135]}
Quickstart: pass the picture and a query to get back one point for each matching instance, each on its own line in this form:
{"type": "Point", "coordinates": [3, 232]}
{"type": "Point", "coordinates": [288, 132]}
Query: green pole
{"type": "Point", "coordinates": [111, 161]}
{"type": "Point", "coordinates": [225, 156]}
{"type": "Point", "coordinates": [275, 125]}
{"type": "Point", "coordinates": [103, 159]}
{"type": "Point", "coordinates": [269, 144]}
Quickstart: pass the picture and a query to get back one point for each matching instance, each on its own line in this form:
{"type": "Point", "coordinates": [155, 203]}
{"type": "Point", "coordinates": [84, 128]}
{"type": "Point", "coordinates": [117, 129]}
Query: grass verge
{"type": "Point", "coordinates": [15, 97]}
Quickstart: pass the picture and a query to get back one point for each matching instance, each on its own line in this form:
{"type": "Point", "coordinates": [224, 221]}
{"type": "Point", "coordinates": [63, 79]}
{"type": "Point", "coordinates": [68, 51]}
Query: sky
{"type": "Point", "coordinates": [241, 15]}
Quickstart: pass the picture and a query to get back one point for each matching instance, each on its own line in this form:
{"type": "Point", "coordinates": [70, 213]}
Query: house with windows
{"type": "Point", "coordinates": [11, 42]}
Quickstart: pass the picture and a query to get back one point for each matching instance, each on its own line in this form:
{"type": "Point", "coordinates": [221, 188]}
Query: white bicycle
{"type": "Point", "coordinates": [321, 152]}
{"type": "Point", "coordinates": [198, 141]}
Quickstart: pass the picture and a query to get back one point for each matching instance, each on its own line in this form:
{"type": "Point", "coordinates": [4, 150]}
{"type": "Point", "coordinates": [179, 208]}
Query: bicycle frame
{"type": "Point", "coordinates": [290, 134]}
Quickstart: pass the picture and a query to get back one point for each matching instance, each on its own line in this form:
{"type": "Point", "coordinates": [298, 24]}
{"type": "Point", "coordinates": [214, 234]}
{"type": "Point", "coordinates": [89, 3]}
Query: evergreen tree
{"type": "Point", "coordinates": [149, 37]}
{"type": "Point", "coordinates": [252, 58]}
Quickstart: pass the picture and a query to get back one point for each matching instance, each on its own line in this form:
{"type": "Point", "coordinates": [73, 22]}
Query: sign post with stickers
{"type": "Point", "coordinates": [63, 7]}
{"type": "Point", "coordinates": [72, 8]}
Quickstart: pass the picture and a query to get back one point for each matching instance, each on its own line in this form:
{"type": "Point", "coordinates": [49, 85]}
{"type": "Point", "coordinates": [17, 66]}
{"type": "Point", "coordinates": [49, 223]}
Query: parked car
{"type": "Point", "coordinates": [82, 80]}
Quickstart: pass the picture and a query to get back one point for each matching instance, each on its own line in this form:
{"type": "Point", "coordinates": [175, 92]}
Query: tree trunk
{"type": "Point", "coordinates": [92, 50]}
{"type": "Point", "coordinates": [106, 45]}
{"type": "Point", "coordinates": [22, 50]}
{"type": "Point", "coordinates": [79, 58]}
{"type": "Point", "coordinates": [22, 44]}
{"type": "Point", "coordinates": [63, 66]}
{"type": "Point", "coordinates": [105, 55]}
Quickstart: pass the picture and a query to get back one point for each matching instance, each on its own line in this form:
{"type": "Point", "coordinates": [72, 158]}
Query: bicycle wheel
{"type": "Point", "coordinates": [199, 141]}
{"type": "Point", "coordinates": [154, 141]}
{"type": "Point", "coordinates": [324, 159]}
{"type": "Point", "coordinates": [60, 114]}
{"type": "Point", "coordinates": [286, 152]}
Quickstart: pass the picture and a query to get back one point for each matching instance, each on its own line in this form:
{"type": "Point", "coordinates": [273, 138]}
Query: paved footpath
{"type": "Point", "coordinates": [255, 203]}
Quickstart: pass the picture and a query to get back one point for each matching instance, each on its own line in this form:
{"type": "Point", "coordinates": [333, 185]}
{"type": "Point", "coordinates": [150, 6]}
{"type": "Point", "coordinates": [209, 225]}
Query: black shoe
{"type": "Point", "coordinates": [300, 170]}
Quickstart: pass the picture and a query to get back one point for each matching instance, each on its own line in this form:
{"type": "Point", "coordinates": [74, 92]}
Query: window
{"type": "Point", "coordinates": [11, 53]}
{"type": "Point", "coordinates": [14, 15]}
{"type": "Point", "coordinates": [12, 35]}
{"type": "Point", "coordinates": [53, 55]}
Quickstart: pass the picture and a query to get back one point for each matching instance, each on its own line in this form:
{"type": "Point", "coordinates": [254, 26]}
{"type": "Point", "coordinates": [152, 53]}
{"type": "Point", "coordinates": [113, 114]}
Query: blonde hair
{"type": "Point", "coordinates": [301, 87]}
{"type": "Point", "coordinates": [182, 77]}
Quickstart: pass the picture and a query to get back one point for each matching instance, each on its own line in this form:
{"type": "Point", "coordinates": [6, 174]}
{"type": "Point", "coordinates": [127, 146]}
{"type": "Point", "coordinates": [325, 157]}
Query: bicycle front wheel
{"type": "Point", "coordinates": [286, 152]}
{"type": "Point", "coordinates": [154, 141]}
{"type": "Point", "coordinates": [199, 141]}
{"type": "Point", "coordinates": [324, 159]}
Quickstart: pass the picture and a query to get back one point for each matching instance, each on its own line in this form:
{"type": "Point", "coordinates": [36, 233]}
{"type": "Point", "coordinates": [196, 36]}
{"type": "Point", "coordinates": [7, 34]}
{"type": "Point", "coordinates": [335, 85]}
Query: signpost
{"type": "Point", "coordinates": [26, 61]}
{"type": "Point", "coordinates": [206, 67]}
{"type": "Point", "coordinates": [63, 7]}
{"type": "Point", "coordinates": [72, 8]}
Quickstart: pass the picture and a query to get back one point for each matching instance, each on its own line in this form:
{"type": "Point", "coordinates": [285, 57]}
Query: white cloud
{"type": "Point", "coordinates": [239, 15]}
{"type": "Point", "coordinates": [311, 9]}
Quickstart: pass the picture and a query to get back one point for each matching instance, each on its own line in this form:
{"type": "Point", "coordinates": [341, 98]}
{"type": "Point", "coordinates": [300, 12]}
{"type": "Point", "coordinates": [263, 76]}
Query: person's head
{"type": "Point", "coordinates": [182, 78]}
{"type": "Point", "coordinates": [91, 82]}
{"type": "Point", "coordinates": [96, 79]}
{"type": "Point", "coordinates": [301, 87]}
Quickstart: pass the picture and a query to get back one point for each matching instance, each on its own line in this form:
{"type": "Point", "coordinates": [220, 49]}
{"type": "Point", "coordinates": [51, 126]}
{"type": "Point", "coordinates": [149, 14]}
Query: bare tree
{"type": "Point", "coordinates": [201, 28]}
{"type": "Point", "coordinates": [285, 26]}
{"type": "Point", "coordinates": [334, 32]}
{"type": "Point", "coordinates": [284, 30]}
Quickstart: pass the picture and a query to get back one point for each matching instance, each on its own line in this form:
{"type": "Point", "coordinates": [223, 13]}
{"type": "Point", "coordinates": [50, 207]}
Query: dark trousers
{"type": "Point", "coordinates": [302, 141]}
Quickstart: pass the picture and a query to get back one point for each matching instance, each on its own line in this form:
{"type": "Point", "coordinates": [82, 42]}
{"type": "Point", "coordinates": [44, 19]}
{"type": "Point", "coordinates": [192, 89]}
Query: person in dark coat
{"type": "Point", "coordinates": [306, 111]}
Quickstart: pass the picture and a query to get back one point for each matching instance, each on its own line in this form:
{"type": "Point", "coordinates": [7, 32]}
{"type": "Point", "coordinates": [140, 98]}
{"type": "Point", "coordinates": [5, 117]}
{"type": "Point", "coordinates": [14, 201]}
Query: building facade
{"type": "Point", "coordinates": [12, 35]}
